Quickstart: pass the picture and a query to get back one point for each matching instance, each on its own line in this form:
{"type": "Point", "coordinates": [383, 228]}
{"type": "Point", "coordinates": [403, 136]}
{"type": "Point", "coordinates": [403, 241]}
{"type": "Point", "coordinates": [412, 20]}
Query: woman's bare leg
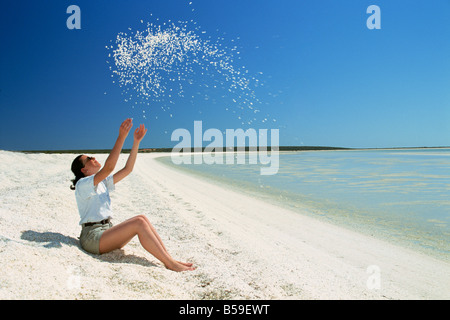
{"type": "Point", "coordinates": [160, 241]}
{"type": "Point", "coordinates": [118, 236]}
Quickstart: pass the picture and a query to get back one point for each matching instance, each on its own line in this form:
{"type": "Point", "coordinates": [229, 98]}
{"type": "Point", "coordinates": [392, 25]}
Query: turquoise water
{"type": "Point", "coordinates": [400, 195]}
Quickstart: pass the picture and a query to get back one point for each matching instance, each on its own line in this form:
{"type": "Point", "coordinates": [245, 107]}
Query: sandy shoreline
{"type": "Point", "coordinates": [243, 248]}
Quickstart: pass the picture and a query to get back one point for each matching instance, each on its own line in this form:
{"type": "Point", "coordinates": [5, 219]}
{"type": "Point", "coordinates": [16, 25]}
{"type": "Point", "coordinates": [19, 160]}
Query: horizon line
{"type": "Point", "coordinates": [228, 149]}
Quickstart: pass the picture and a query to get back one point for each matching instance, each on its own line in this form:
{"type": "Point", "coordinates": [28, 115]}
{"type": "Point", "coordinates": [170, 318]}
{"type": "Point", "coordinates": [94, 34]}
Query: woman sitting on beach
{"type": "Point", "coordinates": [92, 185]}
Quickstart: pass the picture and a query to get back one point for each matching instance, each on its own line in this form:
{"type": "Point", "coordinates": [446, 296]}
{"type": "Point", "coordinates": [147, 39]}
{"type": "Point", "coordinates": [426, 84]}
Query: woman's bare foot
{"type": "Point", "coordinates": [187, 264]}
{"type": "Point", "coordinates": [179, 267]}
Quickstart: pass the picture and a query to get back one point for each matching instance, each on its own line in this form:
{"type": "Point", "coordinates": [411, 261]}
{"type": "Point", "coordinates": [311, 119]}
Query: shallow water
{"type": "Point", "coordinates": [401, 195]}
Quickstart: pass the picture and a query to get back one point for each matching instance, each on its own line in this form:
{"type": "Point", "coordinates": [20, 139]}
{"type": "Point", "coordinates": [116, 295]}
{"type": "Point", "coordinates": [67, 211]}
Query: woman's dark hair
{"type": "Point", "coordinates": [77, 165]}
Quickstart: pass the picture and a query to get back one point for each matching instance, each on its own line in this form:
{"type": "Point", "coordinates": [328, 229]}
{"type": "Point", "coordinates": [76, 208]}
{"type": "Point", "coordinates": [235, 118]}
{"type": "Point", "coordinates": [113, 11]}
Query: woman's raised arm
{"type": "Point", "coordinates": [139, 134]}
{"type": "Point", "coordinates": [111, 161]}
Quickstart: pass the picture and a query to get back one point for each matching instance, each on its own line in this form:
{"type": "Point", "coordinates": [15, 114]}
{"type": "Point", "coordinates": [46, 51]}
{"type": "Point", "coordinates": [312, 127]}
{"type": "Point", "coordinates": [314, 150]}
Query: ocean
{"type": "Point", "coordinates": [400, 195]}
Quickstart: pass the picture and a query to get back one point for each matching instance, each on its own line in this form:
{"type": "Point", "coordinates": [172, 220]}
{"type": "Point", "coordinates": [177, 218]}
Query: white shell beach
{"type": "Point", "coordinates": [243, 248]}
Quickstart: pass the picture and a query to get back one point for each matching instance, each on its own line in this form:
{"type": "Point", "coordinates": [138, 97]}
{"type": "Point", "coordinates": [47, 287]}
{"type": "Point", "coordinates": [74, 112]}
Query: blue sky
{"type": "Point", "coordinates": [329, 80]}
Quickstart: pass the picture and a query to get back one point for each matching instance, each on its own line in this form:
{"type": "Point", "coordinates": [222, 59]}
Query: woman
{"type": "Point", "coordinates": [92, 185]}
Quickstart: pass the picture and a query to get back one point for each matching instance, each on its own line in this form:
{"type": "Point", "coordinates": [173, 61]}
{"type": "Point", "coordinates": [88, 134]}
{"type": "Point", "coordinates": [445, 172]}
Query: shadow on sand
{"type": "Point", "coordinates": [52, 240]}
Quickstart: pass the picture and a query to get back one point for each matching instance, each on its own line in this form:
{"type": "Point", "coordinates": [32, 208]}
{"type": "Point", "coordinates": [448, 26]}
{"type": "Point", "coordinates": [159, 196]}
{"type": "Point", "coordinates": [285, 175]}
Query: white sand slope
{"type": "Point", "coordinates": [243, 248]}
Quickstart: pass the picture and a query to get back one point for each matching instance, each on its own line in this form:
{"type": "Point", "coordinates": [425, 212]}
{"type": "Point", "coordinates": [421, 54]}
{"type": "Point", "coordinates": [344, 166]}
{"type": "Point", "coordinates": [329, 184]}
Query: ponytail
{"type": "Point", "coordinates": [77, 165]}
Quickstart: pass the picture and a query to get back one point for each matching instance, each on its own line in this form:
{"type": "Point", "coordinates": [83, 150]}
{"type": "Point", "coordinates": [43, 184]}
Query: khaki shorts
{"type": "Point", "coordinates": [90, 237]}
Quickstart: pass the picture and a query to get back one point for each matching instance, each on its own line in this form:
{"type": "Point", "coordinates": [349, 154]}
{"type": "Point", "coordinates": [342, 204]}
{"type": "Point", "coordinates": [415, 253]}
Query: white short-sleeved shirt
{"type": "Point", "coordinates": [93, 202]}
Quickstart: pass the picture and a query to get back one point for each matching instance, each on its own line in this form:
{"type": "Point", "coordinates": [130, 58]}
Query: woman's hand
{"type": "Point", "coordinates": [125, 128]}
{"type": "Point", "coordinates": [139, 133]}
